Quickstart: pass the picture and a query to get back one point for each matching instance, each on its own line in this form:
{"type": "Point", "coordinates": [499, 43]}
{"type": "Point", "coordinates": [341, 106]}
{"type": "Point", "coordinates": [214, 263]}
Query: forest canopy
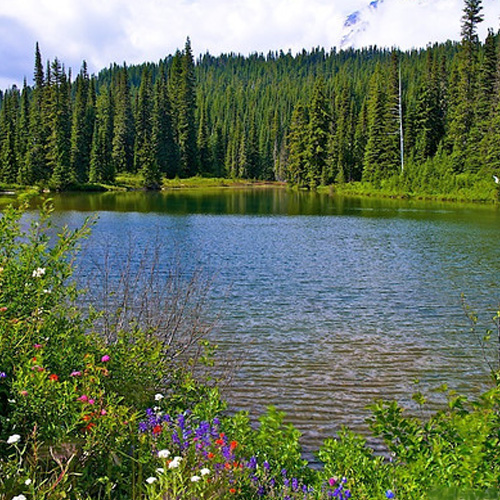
{"type": "Point", "coordinates": [428, 119]}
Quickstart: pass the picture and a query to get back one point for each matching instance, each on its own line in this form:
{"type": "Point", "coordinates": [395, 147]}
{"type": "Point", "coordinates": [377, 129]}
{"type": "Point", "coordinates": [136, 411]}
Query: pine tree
{"type": "Point", "coordinates": [35, 168]}
{"type": "Point", "coordinates": [297, 147]}
{"type": "Point", "coordinates": [462, 127]}
{"type": "Point", "coordinates": [186, 106]}
{"type": "Point", "coordinates": [101, 158]}
{"type": "Point", "coordinates": [59, 125]}
{"type": "Point", "coordinates": [318, 136]}
{"type": "Point", "coordinates": [166, 149]}
{"type": "Point", "coordinates": [123, 132]}
{"type": "Point", "coordinates": [82, 126]}
{"type": "Point", "coordinates": [144, 150]}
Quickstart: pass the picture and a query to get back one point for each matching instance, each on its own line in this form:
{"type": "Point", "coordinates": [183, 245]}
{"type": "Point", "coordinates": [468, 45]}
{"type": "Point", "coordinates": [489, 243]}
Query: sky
{"type": "Point", "coordinates": [102, 32]}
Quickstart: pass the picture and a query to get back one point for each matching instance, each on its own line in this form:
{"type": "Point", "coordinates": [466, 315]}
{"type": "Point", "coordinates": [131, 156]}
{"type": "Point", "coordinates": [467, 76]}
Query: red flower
{"type": "Point", "coordinates": [220, 442]}
{"type": "Point", "coordinates": [88, 427]}
{"type": "Point", "coordinates": [53, 377]}
{"type": "Point", "coordinates": [233, 445]}
{"type": "Point", "coordinates": [232, 490]}
{"type": "Point", "coordinates": [156, 429]}
{"type": "Point", "coordinates": [86, 418]}
{"type": "Point", "coordinates": [210, 455]}
{"type": "Point", "coordinates": [227, 465]}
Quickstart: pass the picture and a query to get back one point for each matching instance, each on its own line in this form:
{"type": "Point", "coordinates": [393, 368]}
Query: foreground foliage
{"type": "Point", "coordinates": [85, 415]}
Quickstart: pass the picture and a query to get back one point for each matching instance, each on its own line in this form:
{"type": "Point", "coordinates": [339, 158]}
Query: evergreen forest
{"type": "Point", "coordinates": [426, 121]}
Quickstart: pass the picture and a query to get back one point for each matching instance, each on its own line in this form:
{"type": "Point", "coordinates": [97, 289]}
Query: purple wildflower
{"type": "Point", "coordinates": [390, 494]}
{"type": "Point", "coordinates": [3, 375]}
{"type": "Point", "coordinates": [266, 465]}
{"type": "Point", "coordinates": [295, 484]}
{"type": "Point", "coordinates": [143, 426]}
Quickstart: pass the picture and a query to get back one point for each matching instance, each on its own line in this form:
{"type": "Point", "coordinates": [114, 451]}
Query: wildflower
{"type": "Point", "coordinates": [91, 401]}
{"type": "Point", "coordinates": [76, 373]}
{"type": "Point", "coordinates": [3, 375]}
{"type": "Point", "coordinates": [27, 482]}
{"type": "Point", "coordinates": [151, 480]}
{"type": "Point", "coordinates": [159, 397]}
{"type": "Point", "coordinates": [175, 463]}
{"type": "Point", "coordinates": [37, 346]}
{"type": "Point", "coordinates": [163, 453]}
{"type": "Point", "coordinates": [24, 393]}
{"type": "Point", "coordinates": [38, 272]}
{"type": "Point", "coordinates": [332, 481]}
{"type": "Point", "coordinates": [47, 290]}
{"type": "Point", "coordinates": [233, 445]}
{"type": "Point", "coordinates": [83, 398]}
{"type": "Point", "coordinates": [103, 412]}
{"type": "Point", "coordinates": [13, 439]}
{"type": "Point", "coordinates": [210, 455]}
{"type": "Point", "coordinates": [232, 490]}
{"type": "Point", "coordinates": [195, 479]}
{"type": "Point", "coordinates": [390, 494]}
{"type": "Point", "coordinates": [53, 377]}
{"type": "Point", "coordinates": [266, 465]}
{"type": "Point", "coordinates": [19, 497]}
{"type": "Point", "coordinates": [105, 358]}
{"type": "Point", "coordinates": [3, 309]}
{"type": "Point", "coordinates": [157, 429]}
{"type": "Point", "coordinates": [204, 471]}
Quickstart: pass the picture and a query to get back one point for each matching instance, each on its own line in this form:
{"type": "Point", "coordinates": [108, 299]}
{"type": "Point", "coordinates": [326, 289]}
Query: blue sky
{"type": "Point", "coordinates": [107, 31]}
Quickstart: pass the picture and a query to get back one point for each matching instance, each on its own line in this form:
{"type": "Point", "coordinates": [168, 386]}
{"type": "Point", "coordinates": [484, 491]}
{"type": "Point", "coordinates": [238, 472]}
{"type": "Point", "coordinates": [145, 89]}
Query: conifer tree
{"type": "Point", "coordinates": [101, 158]}
{"type": "Point", "coordinates": [123, 131]}
{"type": "Point", "coordinates": [165, 146]}
{"type": "Point", "coordinates": [297, 147]}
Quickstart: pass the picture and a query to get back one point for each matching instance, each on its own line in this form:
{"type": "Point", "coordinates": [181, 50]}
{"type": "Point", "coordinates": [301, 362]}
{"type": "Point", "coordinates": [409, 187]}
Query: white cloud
{"type": "Point", "coordinates": [107, 31]}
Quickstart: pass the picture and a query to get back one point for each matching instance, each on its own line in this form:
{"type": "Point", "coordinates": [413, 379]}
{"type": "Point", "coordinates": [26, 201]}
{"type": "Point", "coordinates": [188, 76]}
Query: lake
{"type": "Point", "coordinates": [329, 302]}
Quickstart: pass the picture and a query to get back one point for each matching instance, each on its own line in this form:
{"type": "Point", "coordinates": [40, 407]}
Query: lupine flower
{"type": "Point", "coordinates": [164, 453]}
{"type": "Point", "coordinates": [195, 479]}
{"type": "Point", "coordinates": [38, 272]}
{"type": "Point", "coordinates": [151, 480]}
{"type": "Point", "coordinates": [390, 494]}
{"type": "Point", "coordinates": [266, 465]}
{"type": "Point", "coordinates": [105, 358]}
{"type": "Point", "coordinates": [13, 439]}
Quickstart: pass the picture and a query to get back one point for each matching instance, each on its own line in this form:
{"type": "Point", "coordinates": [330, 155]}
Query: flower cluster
{"type": "Point", "coordinates": [208, 457]}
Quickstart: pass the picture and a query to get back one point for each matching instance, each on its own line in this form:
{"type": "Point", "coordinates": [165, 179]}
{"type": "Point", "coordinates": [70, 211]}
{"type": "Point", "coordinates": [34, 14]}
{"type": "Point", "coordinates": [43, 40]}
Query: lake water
{"type": "Point", "coordinates": [330, 303]}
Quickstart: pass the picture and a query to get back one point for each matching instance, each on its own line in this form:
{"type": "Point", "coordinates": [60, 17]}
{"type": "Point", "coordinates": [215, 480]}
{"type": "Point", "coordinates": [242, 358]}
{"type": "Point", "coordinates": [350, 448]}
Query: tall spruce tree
{"type": "Point", "coordinates": [186, 109]}
{"type": "Point", "coordinates": [123, 132]}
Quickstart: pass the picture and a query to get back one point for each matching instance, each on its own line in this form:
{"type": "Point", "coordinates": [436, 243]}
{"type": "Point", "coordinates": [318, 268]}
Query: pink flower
{"type": "Point", "coordinates": [103, 412]}
{"type": "Point", "coordinates": [332, 481]}
{"type": "Point", "coordinates": [75, 374]}
{"type": "Point", "coordinates": [37, 346]}
{"type": "Point", "coordinates": [83, 398]}
{"type": "Point", "coordinates": [105, 358]}
{"type": "Point", "coordinates": [91, 401]}
{"type": "Point", "coordinates": [24, 393]}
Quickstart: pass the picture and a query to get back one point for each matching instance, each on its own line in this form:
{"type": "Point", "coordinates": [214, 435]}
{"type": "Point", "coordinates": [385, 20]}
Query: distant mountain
{"type": "Point", "coordinates": [357, 23]}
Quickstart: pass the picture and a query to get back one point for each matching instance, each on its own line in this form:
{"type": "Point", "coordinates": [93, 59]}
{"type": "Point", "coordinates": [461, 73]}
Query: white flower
{"type": "Point", "coordinates": [204, 471]}
{"type": "Point", "coordinates": [19, 497]}
{"type": "Point", "coordinates": [27, 482]}
{"type": "Point", "coordinates": [38, 272]}
{"type": "Point", "coordinates": [150, 480]}
{"type": "Point", "coordinates": [159, 397]}
{"type": "Point", "coordinates": [195, 479]}
{"type": "Point", "coordinates": [175, 463]}
{"type": "Point", "coordinates": [160, 470]}
{"type": "Point", "coordinates": [163, 453]}
{"type": "Point", "coordinates": [13, 439]}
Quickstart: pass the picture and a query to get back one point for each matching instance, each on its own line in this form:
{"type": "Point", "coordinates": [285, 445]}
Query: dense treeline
{"type": "Point", "coordinates": [426, 119]}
